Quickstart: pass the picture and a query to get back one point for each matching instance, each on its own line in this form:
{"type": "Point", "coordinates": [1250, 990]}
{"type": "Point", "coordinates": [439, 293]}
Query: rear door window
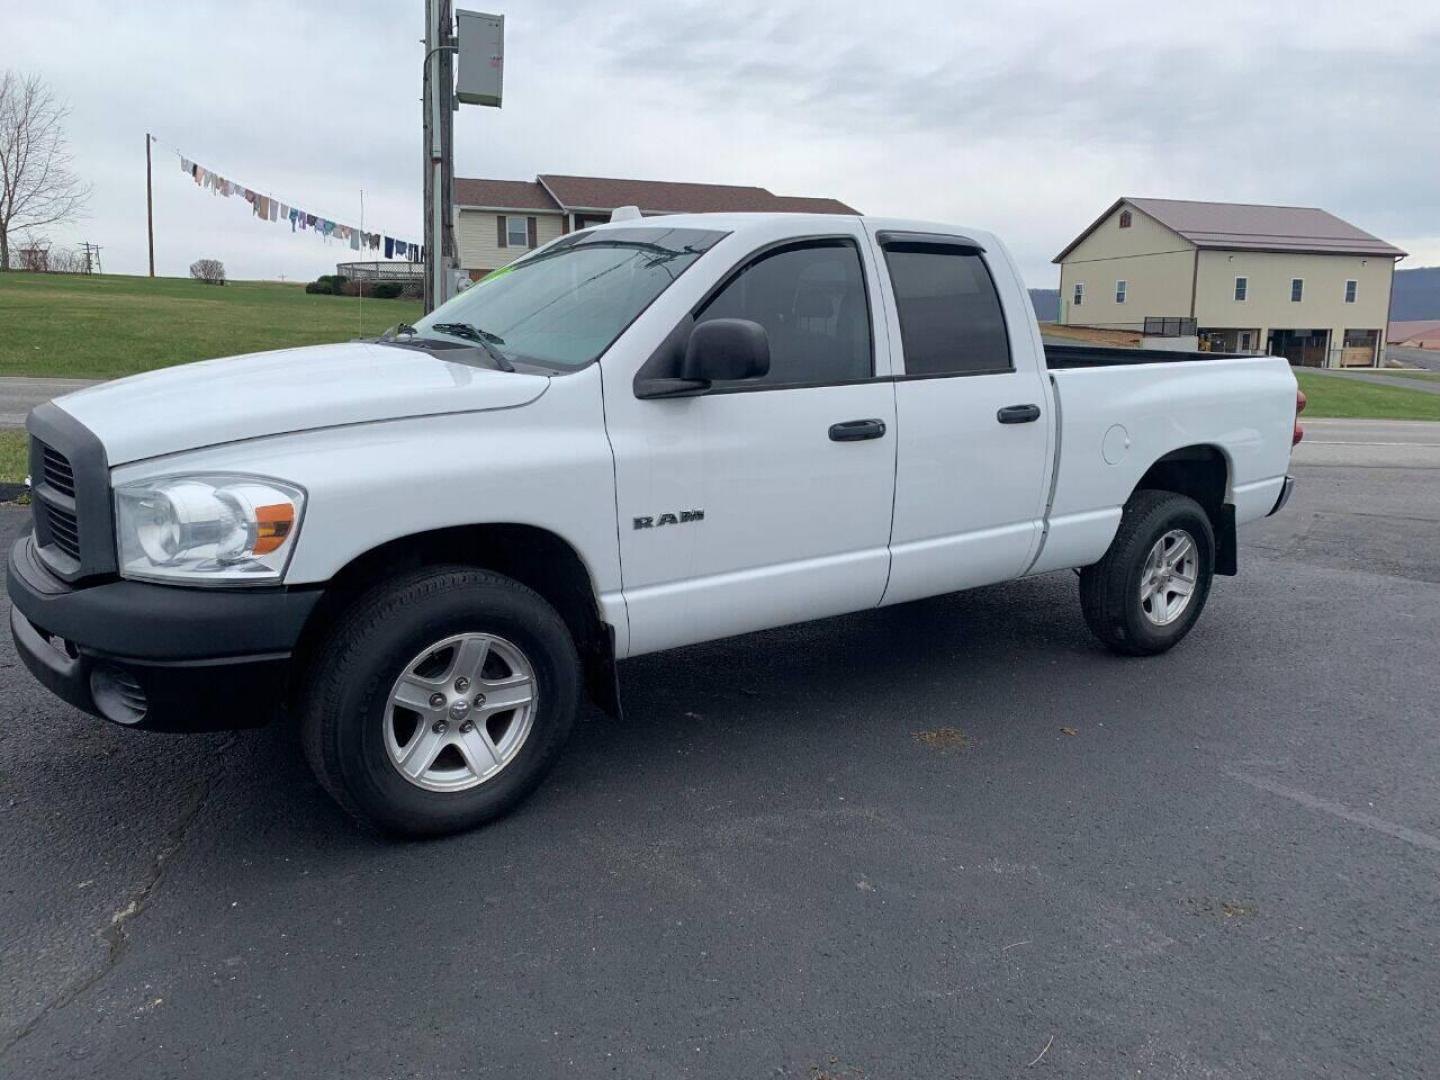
{"type": "Point", "coordinates": [951, 321]}
{"type": "Point", "coordinates": [810, 298]}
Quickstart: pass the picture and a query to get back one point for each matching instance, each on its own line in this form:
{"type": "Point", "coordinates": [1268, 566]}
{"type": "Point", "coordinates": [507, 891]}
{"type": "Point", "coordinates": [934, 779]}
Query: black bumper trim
{"type": "Point", "coordinates": [206, 659]}
{"type": "Point", "coordinates": [191, 695]}
{"type": "Point", "coordinates": [1286, 490]}
{"type": "Point", "coordinates": [144, 621]}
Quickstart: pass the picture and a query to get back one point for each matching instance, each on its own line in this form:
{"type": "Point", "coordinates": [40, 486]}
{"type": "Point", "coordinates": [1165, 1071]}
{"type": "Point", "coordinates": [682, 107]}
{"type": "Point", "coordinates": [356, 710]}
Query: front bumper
{"type": "Point", "coordinates": [158, 657]}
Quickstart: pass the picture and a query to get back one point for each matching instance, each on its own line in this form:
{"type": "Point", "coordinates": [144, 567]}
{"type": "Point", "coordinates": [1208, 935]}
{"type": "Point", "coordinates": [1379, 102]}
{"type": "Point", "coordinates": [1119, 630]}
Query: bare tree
{"type": "Point", "coordinates": [37, 187]}
{"type": "Point", "coordinates": [210, 271]}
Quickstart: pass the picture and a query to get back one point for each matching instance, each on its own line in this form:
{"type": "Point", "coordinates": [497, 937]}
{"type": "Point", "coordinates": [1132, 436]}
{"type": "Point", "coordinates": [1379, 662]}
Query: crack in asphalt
{"type": "Point", "coordinates": [114, 934]}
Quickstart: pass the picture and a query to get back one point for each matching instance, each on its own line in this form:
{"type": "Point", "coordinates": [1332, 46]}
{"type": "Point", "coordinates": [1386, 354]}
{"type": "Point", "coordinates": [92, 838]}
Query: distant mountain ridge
{"type": "Point", "coordinates": [1417, 296]}
{"type": "Point", "coordinates": [1047, 304]}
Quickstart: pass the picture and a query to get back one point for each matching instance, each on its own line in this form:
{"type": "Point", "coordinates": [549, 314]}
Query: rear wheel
{"type": "Point", "coordinates": [1152, 584]}
{"type": "Point", "coordinates": [440, 700]}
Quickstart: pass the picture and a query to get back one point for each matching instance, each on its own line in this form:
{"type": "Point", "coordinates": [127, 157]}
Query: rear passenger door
{"type": "Point", "coordinates": [973, 449]}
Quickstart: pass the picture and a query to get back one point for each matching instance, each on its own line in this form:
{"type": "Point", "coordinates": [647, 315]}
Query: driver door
{"type": "Point", "coordinates": [766, 501]}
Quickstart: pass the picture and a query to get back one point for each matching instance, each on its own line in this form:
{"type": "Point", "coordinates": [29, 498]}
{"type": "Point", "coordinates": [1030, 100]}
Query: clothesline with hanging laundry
{"type": "Point", "coordinates": [270, 209]}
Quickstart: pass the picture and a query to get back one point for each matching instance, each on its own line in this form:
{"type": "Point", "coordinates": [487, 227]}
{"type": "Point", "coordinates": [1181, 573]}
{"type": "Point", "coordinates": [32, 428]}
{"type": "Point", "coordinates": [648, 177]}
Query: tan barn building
{"type": "Point", "coordinates": [497, 221]}
{"type": "Point", "coordinates": [1287, 280]}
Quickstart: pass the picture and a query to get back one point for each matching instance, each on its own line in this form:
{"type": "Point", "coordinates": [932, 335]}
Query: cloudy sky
{"type": "Point", "coordinates": [1027, 117]}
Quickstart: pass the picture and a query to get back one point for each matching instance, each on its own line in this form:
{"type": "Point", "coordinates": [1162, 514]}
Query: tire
{"type": "Point", "coordinates": [1113, 592]}
{"type": "Point", "coordinates": [355, 711]}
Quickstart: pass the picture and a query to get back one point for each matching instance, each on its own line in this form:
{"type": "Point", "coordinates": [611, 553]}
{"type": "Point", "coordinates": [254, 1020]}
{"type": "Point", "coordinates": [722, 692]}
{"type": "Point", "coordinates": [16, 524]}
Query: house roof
{"type": "Point", "coordinates": [552, 191]}
{"type": "Point", "coordinates": [505, 194]}
{"type": "Point", "coordinates": [1249, 227]}
{"type": "Point", "coordinates": [605, 193]}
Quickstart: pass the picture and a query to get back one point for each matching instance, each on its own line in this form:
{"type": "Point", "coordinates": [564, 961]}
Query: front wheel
{"type": "Point", "coordinates": [1148, 590]}
{"type": "Point", "coordinates": [440, 700]}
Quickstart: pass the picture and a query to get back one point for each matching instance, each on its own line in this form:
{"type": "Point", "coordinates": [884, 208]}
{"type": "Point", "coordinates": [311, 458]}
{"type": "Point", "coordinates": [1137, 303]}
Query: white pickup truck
{"type": "Point", "coordinates": [431, 547]}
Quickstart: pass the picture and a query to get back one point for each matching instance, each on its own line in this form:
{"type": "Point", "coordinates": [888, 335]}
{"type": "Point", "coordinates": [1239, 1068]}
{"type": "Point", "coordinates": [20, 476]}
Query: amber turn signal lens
{"type": "Point", "coordinates": [273, 525]}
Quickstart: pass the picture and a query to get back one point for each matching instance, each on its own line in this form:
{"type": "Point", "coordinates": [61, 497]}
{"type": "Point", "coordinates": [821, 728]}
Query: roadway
{"type": "Point", "coordinates": [944, 839]}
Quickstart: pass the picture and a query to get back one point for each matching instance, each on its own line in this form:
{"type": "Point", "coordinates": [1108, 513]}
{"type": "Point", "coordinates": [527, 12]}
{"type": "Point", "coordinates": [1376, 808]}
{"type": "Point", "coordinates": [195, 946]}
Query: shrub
{"type": "Point", "coordinates": [386, 290]}
{"type": "Point", "coordinates": [319, 288]}
{"type": "Point", "coordinates": [210, 271]}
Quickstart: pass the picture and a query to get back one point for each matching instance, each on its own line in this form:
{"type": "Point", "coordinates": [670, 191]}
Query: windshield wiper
{"type": "Point", "coordinates": [483, 338]}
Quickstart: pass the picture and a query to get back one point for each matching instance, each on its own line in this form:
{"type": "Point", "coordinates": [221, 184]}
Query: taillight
{"type": "Point", "coordinates": [1300, 403]}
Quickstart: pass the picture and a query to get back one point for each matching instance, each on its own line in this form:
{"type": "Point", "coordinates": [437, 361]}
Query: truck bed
{"type": "Point", "coordinates": [1087, 356]}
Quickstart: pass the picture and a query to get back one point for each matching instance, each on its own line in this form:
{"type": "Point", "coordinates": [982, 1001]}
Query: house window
{"type": "Point", "coordinates": [1124, 219]}
{"type": "Point", "coordinates": [1121, 287]}
{"type": "Point", "coordinates": [1351, 288]}
{"type": "Point", "coordinates": [515, 232]}
{"type": "Point", "coordinates": [1297, 290]}
{"type": "Point", "coordinates": [1079, 294]}
{"type": "Point", "coordinates": [1242, 288]}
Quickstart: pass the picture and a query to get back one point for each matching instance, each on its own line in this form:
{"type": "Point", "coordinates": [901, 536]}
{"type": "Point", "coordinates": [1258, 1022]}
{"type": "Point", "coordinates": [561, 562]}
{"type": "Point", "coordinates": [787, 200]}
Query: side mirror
{"type": "Point", "coordinates": [724, 350]}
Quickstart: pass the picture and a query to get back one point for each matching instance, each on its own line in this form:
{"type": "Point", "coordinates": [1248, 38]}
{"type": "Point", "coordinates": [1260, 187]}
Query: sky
{"type": "Point", "coordinates": [1025, 117]}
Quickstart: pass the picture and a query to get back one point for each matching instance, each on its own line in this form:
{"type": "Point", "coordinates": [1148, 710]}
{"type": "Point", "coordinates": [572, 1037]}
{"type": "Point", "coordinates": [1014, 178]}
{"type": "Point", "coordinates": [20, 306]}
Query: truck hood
{"type": "Point", "coordinates": [272, 393]}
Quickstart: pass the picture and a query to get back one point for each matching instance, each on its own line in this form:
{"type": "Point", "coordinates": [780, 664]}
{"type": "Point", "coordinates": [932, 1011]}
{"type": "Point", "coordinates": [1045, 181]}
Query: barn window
{"type": "Point", "coordinates": [1124, 219]}
{"type": "Point", "coordinates": [1351, 288]}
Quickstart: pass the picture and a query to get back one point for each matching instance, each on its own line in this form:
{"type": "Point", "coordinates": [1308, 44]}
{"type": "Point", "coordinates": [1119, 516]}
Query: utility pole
{"type": "Point", "coordinates": [439, 106]}
{"type": "Point", "coordinates": [149, 204]}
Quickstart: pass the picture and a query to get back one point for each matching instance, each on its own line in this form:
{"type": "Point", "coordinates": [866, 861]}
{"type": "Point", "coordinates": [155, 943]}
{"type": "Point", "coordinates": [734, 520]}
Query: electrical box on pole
{"type": "Point", "coordinates": [477, 42]}
{"type": "Point", "coordinates": [482, 58]}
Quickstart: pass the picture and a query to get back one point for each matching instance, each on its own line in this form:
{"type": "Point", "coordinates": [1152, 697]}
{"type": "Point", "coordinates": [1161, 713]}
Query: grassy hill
{"type": "Point", "coordinates": [105, 325]}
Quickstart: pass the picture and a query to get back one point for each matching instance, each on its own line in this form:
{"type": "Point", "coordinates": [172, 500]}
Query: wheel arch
{"type": "Point", "coordinates": [1203, 472]}
{"type": "Point", "coordinates": [538, 558]}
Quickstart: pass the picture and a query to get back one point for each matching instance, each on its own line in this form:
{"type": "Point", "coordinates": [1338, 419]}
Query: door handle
{"type": "Point", "coordinates": [856, 430]}
{"type": "Point", "coordinates": [1018, 414]}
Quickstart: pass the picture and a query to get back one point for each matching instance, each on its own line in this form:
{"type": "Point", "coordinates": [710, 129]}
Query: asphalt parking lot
{"type": "Point", "coordinates": [950, 839]}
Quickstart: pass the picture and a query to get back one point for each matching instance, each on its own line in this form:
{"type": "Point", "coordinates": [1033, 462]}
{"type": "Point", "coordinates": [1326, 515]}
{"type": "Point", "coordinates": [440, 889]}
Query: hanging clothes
{"type": "Point", "coordinates": [389, 248]}
{"type": "Point", "coordinates": [354, 241]}
{"type": "Point", "coordinates": [310, 220]}
{"type": "Point", "coordinates": [292, 215]}
{"type": "Point", "coordinates": [400, 248]}
{"type": "Point", "coordinates": [274, 210]}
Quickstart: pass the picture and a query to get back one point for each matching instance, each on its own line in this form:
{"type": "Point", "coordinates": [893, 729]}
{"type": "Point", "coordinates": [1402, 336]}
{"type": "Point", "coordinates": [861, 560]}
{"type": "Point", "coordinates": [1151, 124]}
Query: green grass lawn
{"type": "Point", "coordinates": [14, 457]}
{"type": "Point", "coordinates": [106, 325]}
{"type": "Point", "coordinates": [1427, 376]}
{"type": "Point", "coordinates": [1338, 397]}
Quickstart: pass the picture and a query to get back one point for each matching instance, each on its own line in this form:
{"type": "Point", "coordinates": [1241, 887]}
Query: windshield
{"type": "Point", "coordinates": [563, 306]}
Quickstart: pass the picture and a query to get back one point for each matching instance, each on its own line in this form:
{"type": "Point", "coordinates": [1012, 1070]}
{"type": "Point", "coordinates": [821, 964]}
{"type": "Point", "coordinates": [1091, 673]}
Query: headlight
{"type": "Point", "coordinates": [207, 529]}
